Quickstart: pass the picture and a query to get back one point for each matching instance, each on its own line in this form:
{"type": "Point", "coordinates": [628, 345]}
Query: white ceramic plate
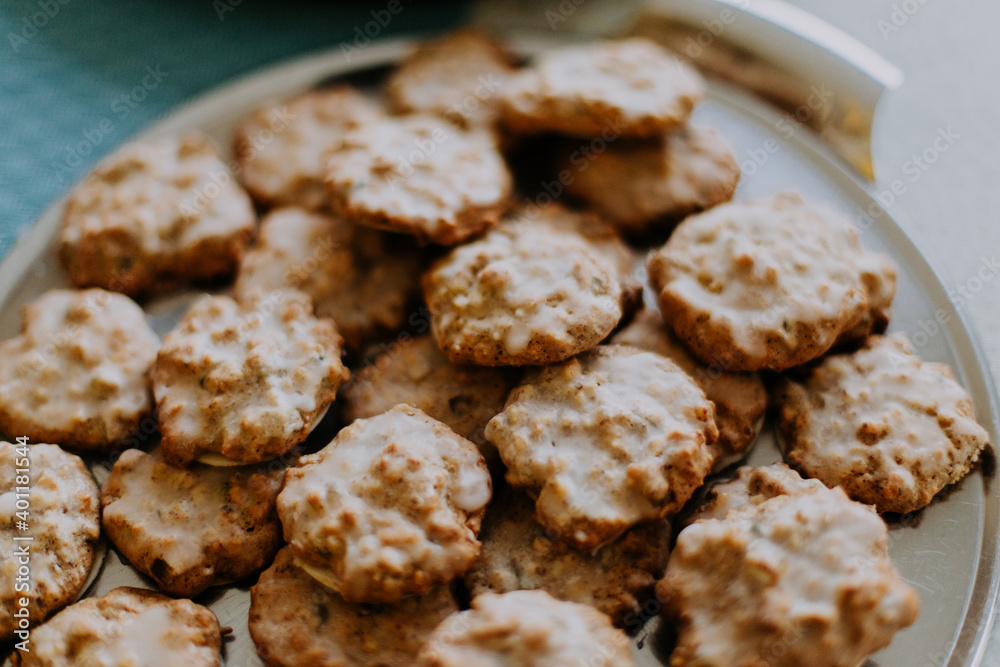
{"type": "Point", "coordinates": [948, 552]}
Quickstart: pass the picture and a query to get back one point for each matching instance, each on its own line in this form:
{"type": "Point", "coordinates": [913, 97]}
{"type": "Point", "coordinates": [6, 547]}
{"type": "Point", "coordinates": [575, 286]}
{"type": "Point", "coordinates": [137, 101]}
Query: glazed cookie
{"type": "Point", "coordinates": [155, 215]}
{"type": "Point", "coordinates": [606, 440]}
{"type": "Point", "coordinates": [245, 380]}
{"type": "Point", "coordinates": [363, 279]}
{"type": "Point", "coordinates": [645, 185]}
{"type": "Point", "coordinates": [766, 284]}
{"type": "Point", "coordinates": [626, 88]}
{"type": "Point", "coordinates": [740, 398]}
{"type": "Point", "coordinates": [63, 523]}
{"type": "Point", "coordinates": [750, 487]}
{"type": "Point", "coordinates": [526, 629]}
{"type": "Point", "coordinates": [128, 626]}
{"type": "Point", "coordinates": [414, 371]}
{"type": "Point", "coordinates": [282, 149]}
{"type": "Point", "coordinates": [420, 175]}
{"type": "Point", "coordinates": [526, 293]}
{"type": "Point", "coordinates": [78, 372]}
{"type": "Point", "coordinates": [390, 508]}
{"type": "Point", "coordinates": [194, 528]}
{"type": "Point", "coordinates": [295, 623]}
{"type": "Point", "coordinates": [800, 581]}
{"type": "Point", "coordinates": [889, 428]}
{"type": "Point", "coordinates": [457, 77]}
{"type": "Point", "coordinates": [518, 554]}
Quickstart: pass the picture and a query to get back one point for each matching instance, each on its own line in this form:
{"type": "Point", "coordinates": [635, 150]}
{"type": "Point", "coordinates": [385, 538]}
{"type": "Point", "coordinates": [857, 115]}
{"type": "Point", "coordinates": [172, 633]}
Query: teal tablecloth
{"type": "Point", "coordinates": [79, 77]}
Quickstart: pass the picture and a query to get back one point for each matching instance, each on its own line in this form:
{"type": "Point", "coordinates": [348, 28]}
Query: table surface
{"type": "Point", "coordinates": [79, 78]}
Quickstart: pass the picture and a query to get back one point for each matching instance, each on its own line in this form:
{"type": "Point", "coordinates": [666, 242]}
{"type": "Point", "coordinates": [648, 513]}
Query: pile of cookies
{"type": "Point", "coordinates": [524, 425]}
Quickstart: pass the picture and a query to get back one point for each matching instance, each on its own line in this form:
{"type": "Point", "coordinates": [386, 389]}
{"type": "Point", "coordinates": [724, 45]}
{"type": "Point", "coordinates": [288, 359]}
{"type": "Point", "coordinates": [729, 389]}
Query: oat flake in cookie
{"type": "Point", "coordinates": [414, 371]}
{"type": "Point", "coordinates": [243, 382]}
{"type": "Point", "coordinates": [457, 77]}
{"type": "Point", "coordinates": [519, 554]}
{"type": "Point", "coordinates": [888, 427]}
{"type": "Point", "coordinates": [420, 175]}
{"type": "Point", "coordinates": [604, 441]}
{"type": "Point", "coordinates": [529, 292]}
{"type": "Point", "coordinates": [192, 528]}
{"type": "Point", "coordinates": [78, 372]}
{"type": "Point", "coordinates": [155, 215]}
{"type": "Point", "coordinates": [296, 623]}
{"type": "Point", "coordinates": [126, 627]}
{"type": "Point", "coordinates": [390, 508]}
{"type": "Point", "coordinates": [526, 629]}
{"type": "Point", "coordinates": [740, 398]}
{"type": "Point", "coordinates": [768, 284]}
{"type": "Point", "coordinates": [627, 88]}
{"type": "Point", "coordinates": [363, 279]}
{"type": "Point", "coordinates": [797, 581]}
{"type": "Point", "coordinates": [282, 149]}
{"type": "Point", "coordinates": [64, 522]}
{"type": "Point", "coordinates": [644, 186]}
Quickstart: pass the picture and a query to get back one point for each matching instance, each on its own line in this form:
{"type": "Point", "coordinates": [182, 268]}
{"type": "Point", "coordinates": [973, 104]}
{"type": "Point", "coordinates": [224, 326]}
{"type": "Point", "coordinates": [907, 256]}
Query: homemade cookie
{"type": "Point", "coordinates": [645, 185]}
{"type": "Point", "coordinates": [750, 487]}
{"type": "Point", "coordinates": [195, 528]}
{"type": "Point", "coordinates": [390, 508]}
{"type": "Point", "coordinates": [889, 428]}
{"type": "Point", "coordinates": [626, 88]}
{"type": "Point", "coordinates": [414, 371]}
{"type": "Point", "coordinates": [519, 554]}
{"type": "Point", "coordinates": [422, 176]}
{"type": "Point", "coordinates": [363, 279]}
{"type": "Point", "coordinates": [608, 439]}
{"type": "Point", "coordinates": [156, 214]}
{"type": "Point", "coordinates": [245, 380]}
{"type": "Point", "coordinates": [526, 629]}
{"type": "Point", "coordinates": [800, 581]}
{"type": "Point", "coordinates": [766, 284]}
{"type": "Point", "coordinates": [457, 77]}
{"type": "Point", "coordinates": [295, 623]}
{"type": "Point", "coordinates": [528, 292]}
{"type": "Point", "coordinates": [49, 496]}
{"type": "Point", "coordinates": [78, 372]}
{"type": "Point", "coordinates": [740, 398]}
{"type": "Point", "coordinates": [282, 149]}
{"type": "Point", "coordinates": [128, 626]}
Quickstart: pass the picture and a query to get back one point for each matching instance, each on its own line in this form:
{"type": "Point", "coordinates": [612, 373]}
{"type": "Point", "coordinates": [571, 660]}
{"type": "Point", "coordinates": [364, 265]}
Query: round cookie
{"type": "Point", "coordinates": [889, 428]}
{"type": "Point", "coordinates": [155, 215]}
{"type": "Point", "coordinates": [390, 508]}
{"type": "Point", "coordinates": [625, 88]}
{"type": "Point", "coordinates": [63, 519]}
{"type": "Point", "coordinates": [800, 581]}
{"type": "Point", "coordinates": [518, 554]}
{"type": "Point", "coordinates": [295, 623]}
{"type": "Point", "coordinates": [363, 279]}
{"type": "Point", "coordinates": [526, 629]}
{"type": "Point", "coordinates": [414, 371]}
{"type": "Point", "coordinates": [765, 284]}
{"type": "Point", "coordinates": [78, 372]}
{"type": "Point", "coordinates": [750, 487]}
{"type": "Point", "coordinates": [528, 292]}
{"type": "Point", "coordinates": [128, 626]}
{"type": "Point", "coordinates": [192, 528]}
{"type": "Point", "coordinates": [642, 186]}
{"type": "Point", "coordinates": [606, 440]}
{"type": "Point", "coordinates": [457, 77]}
{"type": "Point", "coordinates": [420, 175]}
{"type": "Point", "coordinates": [282, 149]}
{"type": "Point", "coordinates": [740, 398]}
{"type": "Point", "coordinates": [245, 380]}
